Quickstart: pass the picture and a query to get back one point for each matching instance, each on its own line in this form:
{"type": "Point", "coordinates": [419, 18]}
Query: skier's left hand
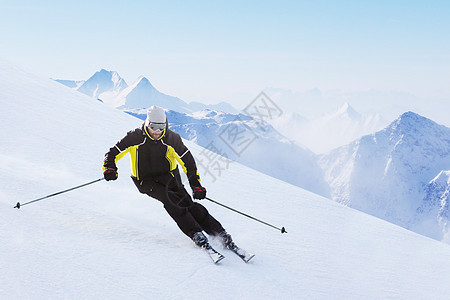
{"type": "Point", "coordinates": [199, 192]}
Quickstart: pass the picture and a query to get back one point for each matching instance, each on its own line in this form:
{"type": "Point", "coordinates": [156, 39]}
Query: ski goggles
{"type": "Point", "coordinates": [157, 126]}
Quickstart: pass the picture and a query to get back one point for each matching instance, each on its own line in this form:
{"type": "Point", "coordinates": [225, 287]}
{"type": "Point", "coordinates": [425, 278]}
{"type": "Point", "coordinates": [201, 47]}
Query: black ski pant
{"type": "Point", "coordinates": [190, 216]}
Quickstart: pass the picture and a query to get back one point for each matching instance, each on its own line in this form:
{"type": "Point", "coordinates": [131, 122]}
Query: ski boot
{"type": "Point", "coordinates": [227, 241]}
{"type": "Point", "coordinates": [200, 239]}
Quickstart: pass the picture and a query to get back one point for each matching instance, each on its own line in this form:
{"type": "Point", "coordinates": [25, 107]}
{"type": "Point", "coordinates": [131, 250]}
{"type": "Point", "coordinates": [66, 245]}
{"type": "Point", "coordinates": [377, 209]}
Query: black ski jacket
{"type": "Point", "coordinates": [153, 158]}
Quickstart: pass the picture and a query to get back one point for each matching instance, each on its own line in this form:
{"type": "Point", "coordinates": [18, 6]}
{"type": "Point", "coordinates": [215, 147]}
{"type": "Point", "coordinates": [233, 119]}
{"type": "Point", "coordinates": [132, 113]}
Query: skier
{"type": "Point", "coordinates": [155, 152]}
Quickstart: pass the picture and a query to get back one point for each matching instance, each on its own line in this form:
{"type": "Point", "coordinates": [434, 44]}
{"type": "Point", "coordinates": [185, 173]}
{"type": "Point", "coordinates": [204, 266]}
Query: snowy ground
{"type": "Point", "coordinates": [107, 241]}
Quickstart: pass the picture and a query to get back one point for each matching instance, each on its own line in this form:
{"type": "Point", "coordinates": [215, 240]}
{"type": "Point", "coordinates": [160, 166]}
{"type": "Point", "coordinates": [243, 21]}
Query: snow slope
{"type": "Point", "coordinates": [106, 241]}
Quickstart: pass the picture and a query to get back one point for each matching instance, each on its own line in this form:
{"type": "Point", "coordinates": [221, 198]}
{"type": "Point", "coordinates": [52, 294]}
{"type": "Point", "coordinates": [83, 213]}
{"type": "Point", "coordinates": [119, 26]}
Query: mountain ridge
{"type": "Point", "coordinates": [111, 89]}
{"type": "Point", "coordinates": [385, 173]}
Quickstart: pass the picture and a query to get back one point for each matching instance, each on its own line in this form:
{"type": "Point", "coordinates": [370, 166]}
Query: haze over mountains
{"type": "Point", "coordinates": [330, 130]}
{"type": "Point", "coordinates": [314, 103]}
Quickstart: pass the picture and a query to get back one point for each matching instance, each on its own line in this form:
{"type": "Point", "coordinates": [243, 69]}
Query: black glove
{"type": "Point", "coordinates": [110, 174]}
{"type": "Point", "coordinates": [199, 192]}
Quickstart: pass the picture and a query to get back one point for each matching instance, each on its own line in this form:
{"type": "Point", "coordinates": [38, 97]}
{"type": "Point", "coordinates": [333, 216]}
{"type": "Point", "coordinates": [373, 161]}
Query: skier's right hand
{"type": "Point", "coordinates": [110, 174]}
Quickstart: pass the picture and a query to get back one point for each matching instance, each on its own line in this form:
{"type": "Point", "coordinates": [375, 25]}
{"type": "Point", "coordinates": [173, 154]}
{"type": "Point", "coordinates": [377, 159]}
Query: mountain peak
{"type": "Point", "coordinates": [102, 81]}
{"type": "Point", "coordinates": [142, 81]}
{"type": "Point", "coordinates": [346, 111]}
{"type": "Point", "coordinates": [142, 94]}
{"type": "Point", "coordinates": [409, 121]}
{"type": "Point", "coordinates": [409, 115]}
{"type": "Point", "coordinates": [103, 73]}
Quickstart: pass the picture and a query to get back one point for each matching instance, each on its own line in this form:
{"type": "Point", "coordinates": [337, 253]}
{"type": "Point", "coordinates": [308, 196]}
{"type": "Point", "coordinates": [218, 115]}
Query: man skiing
{"type": "Point", "coordinates": [155, 153]}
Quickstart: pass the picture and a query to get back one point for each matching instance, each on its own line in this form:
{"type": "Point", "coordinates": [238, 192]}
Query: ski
{"type": "Point", "coordinates": [244, 255]}
{"type": "Point", "coordinates": [215, 256]}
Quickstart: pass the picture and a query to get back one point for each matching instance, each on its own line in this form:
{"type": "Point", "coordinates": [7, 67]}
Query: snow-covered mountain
{"type": "Point", "coordinates": [241, 139]}
{"type": "Point", "coordinates": [107, 241]}
{"type": "Point", "coordinates": [103, 82]}
{"type": "Point", "coordinates": [142, 94]}
{"type": "Point", "coordinates": [385, 174]}
{"type": "Point", "coordinates": [433, 215]}
{"type": "Point", "coordinates": [111, 89]}
{"type": "Point", "coordinates": [329, 131]}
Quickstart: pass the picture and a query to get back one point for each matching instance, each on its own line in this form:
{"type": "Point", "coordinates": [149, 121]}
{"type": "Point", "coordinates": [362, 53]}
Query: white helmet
{"type": "Point", "coordinates": [155, 114]}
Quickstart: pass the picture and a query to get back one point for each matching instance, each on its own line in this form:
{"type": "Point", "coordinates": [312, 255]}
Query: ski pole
{"type": "Point", "coordinates": [282, 229]}
{"type": "Point", "coordinates": [18, 205]}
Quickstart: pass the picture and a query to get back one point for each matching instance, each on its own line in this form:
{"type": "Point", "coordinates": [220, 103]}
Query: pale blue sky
{"type": "Point", "coordinates": [199, 50]}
